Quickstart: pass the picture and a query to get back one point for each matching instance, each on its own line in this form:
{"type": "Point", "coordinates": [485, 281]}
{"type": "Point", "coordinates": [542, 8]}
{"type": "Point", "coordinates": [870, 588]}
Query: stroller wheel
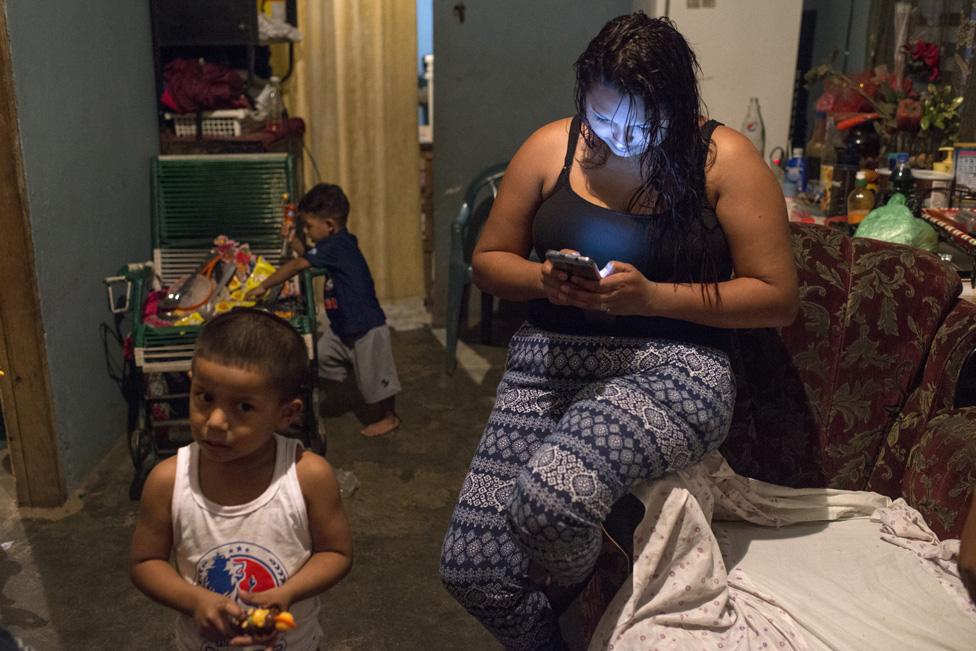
{"type": "Point", "coordinates": [140, 447]}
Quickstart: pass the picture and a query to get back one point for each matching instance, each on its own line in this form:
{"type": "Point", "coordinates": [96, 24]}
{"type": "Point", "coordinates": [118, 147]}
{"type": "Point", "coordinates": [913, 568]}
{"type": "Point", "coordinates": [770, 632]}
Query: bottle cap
{"type": "Point", "coordinates": [274, 79]}
{"type": "Point", "coordinates": [861, 174]}
{"type": "Point", "coordinates": [902, 157]}
{"type": "Point", "coordinates": [797, 152]}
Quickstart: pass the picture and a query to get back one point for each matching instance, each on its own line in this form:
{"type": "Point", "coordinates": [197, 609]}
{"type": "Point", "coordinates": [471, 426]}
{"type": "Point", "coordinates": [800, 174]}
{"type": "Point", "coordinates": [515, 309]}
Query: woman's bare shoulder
{"type": "Point", "coordinates": [730, 143]}
{"type": "Point", "coordinates": [549, 138]}
{"type": "Point", "coordinates": [540, 158]}
{"type": "Point", "coordinates": [732, 151]}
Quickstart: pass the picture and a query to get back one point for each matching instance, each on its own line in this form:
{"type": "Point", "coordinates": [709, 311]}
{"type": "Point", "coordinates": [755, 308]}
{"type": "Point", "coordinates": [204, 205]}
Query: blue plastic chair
{"type": "Point", "coordinates": [465, 230]}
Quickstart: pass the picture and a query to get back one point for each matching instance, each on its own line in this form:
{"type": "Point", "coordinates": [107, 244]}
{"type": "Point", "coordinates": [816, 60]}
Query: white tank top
{"type": "Point", "coordinates": [253, 547]}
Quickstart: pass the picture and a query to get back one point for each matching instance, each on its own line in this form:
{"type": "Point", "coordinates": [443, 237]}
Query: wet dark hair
{"type": "Point", "coordinates": [648, 58]}
{"type": "Point", "coordinates": [325, 201]}
{"type": "Point", "coordinates": [257, 341]}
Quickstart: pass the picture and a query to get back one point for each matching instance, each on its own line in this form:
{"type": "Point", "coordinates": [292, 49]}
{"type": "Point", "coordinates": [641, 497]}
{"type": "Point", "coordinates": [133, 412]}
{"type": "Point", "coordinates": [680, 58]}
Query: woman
{"type": "Point", "coordinates": [625, 378]}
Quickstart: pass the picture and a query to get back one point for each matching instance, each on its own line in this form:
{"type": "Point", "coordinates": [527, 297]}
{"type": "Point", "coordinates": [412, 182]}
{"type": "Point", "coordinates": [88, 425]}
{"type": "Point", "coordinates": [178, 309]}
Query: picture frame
{"type": "Point", "coordinates": [964, 165]}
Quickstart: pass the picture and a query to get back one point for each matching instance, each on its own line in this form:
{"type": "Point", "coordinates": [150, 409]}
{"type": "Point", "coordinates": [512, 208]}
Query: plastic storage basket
{"type": "Point", "coordinates": [222, 123]}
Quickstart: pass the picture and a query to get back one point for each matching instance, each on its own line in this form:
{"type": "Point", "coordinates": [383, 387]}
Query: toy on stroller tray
{"type": "Point", "coordinates": [197, 271]}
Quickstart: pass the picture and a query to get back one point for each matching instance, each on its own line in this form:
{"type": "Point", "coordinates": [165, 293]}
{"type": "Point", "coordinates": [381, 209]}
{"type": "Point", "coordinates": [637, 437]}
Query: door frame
{"type": "Point", "coordinates": [25, 386]}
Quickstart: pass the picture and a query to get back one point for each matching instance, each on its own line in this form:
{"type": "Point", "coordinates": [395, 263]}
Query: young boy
{"type": "Point", "coordinates": [250, 517]}
{"type": "Point", "coordinates": [358, 335]}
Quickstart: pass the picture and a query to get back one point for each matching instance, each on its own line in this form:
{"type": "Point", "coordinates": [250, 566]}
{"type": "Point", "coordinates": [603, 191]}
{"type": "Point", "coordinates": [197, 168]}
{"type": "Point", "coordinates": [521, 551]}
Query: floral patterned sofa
{"type": "Point", "coordinates": [862, 391]}
{"type": "Point", "coordinates": [866, 390]}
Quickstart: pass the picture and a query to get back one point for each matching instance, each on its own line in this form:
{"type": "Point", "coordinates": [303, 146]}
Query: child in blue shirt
{"type": "Point", "coordinates": [358, 336]}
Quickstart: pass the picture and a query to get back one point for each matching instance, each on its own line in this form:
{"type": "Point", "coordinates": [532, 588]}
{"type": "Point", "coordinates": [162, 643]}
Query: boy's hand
{"type": "Point", "coordinates": [274, 598]}
{"type": "Point", "coordinates": [215, 615]}
{"type": "Point", "coordinates": [270, 599]}
{"type": "Point", "coordinates": [255, 294]}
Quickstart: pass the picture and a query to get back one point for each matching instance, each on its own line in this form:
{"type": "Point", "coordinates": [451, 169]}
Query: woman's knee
{"type": "Point", "coordinates": [554, 497]}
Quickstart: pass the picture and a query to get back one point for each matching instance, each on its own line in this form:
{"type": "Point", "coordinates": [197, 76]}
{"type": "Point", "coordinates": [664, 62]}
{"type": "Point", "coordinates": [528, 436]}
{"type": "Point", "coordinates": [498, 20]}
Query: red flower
{"type": "Point", "coordinates": [927, 54]}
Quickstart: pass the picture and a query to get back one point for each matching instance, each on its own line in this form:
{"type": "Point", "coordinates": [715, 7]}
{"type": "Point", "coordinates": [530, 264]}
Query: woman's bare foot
{"type": "Point", "coordinates": [383, 426]}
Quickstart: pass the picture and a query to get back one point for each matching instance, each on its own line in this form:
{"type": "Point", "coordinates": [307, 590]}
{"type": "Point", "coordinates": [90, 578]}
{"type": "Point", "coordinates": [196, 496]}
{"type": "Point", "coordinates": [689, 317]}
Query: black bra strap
{"type": "Point", "coordinates": [709, 128]}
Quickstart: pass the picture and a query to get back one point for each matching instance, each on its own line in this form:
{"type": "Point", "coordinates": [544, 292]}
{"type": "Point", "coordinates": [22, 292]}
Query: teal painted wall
{"type": "Point", "coordinates": [83, 75]}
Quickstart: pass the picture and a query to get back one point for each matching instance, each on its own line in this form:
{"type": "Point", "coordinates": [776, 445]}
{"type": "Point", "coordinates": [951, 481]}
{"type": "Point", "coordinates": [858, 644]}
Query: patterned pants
{"type": "Point", "coordinates": [577, 421]}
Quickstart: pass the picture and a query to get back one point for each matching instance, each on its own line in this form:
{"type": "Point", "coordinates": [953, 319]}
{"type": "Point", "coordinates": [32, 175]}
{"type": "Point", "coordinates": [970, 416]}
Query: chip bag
{"type": "Point", "coordinates": [262, 269]}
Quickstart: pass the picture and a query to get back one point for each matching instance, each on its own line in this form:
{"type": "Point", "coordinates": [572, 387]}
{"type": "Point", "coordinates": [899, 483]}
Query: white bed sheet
{"type": "Point", "coordinates": [846, 588]}
{"type": "Point", "coordinates": [726, 562]}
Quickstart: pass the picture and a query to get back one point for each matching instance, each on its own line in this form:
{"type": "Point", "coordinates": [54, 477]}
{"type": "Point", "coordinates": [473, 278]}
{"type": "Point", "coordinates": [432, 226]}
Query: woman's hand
{"type": "Point", "coordinates": [623, 292]}
{"type": "Point", "coordinates": [555, 282]}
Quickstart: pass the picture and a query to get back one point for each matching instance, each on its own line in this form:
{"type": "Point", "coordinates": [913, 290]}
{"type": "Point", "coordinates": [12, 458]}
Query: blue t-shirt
{"type": "Point", "coordinates": [350, 296]}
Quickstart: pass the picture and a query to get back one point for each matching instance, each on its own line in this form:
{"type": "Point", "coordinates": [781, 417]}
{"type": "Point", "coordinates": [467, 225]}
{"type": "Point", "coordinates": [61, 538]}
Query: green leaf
{"type": "Point", "coordinates": [925, 122]}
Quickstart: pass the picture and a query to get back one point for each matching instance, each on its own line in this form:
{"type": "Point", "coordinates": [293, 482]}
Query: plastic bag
{"type": "Point", "coordinates": [348, 482]}
{"type": "Point", "coordinates": [894, 222]}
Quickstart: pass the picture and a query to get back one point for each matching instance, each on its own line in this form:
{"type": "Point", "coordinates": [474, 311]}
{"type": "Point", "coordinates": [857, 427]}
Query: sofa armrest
{"type": "Point", "coordinates": [941, 471]}
{"type": "Point", "coordinates": [951, 347]}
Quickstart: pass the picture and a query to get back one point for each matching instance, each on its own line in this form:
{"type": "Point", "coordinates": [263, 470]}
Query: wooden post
{"type": "Point", "coordinates": [25, 387]}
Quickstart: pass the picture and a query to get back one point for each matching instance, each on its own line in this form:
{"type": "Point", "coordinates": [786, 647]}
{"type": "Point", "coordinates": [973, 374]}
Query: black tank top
{"type": "Point", "coordinates": [565, 220]}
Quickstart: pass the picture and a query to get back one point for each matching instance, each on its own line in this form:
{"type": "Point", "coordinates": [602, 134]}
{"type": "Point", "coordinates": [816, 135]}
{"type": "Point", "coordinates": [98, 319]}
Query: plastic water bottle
{"type": "Point", "coordinates": [276, 107]}
{"type": "Point", "coordinates": [796, 170]}
{"type": "Point", "coordinates": [753, 128]}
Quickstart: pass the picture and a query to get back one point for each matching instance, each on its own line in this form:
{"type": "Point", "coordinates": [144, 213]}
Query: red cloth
{"type": "Point", "coordinates": [192, 85]}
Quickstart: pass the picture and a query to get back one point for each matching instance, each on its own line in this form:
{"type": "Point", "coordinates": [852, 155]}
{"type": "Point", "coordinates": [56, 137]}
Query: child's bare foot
{"type": "Point", "coordinates": [383, 426]}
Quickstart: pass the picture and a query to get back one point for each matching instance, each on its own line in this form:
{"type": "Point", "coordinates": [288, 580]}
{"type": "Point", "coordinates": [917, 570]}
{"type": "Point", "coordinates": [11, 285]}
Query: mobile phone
{"type": "Point", "coordinates": [574, 264]}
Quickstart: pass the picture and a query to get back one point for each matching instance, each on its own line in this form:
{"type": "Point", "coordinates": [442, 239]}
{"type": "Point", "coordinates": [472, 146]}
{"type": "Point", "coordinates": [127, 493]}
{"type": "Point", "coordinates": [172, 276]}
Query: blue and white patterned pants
{"type": "Point", "coordinates": [577, 421]}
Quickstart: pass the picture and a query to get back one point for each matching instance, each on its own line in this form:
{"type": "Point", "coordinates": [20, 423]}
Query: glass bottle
{"type": "Point", "coordinates": [816, 146]}
{"type": "Point", "coordinates": [753, 128]}
{"type": "Point", "coordinates": [276, 107]}
{"type": "Point", "coordinates": [860, 201]}
{"type": "Point", "coordinates": [903, 182]}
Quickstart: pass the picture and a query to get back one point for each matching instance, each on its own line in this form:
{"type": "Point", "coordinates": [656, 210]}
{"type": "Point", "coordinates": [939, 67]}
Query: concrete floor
{"type": "Point", "coordinates": [64, 579]}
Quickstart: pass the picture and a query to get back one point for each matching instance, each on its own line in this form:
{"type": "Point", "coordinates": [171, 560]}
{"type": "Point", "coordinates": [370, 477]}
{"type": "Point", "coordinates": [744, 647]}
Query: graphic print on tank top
{"type": "Point", "coordinates": [240, 566]}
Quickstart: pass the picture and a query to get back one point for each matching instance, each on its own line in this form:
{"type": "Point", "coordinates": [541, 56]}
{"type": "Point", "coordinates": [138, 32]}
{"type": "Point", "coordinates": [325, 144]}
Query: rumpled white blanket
{"type": "Point", "coordinates": [680, 595]}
